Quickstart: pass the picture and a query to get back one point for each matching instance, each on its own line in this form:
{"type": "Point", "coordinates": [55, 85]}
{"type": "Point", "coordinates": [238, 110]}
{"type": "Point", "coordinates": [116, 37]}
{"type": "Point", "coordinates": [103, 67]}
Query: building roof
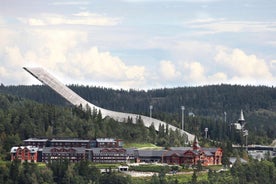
{"type": "Point", "coordinates": [63, 150]}
{"type": "Point", "coordinates": [35, 140]}
{"type": "Point", "coordinates": [208, 153]}
{"type": "Point", "coordinates": [129, 151]}
{"type": "Point", "coordinates": [180, 148]}
{"type": "Point", "coordinates": [70, 140]}
{"type": "Point", "coordinates": [241, 116]}
{"type": "Point", "coordinates": [212, 150]}
{"type": "Point", "coordinates": [183, 150]}
{"type": "Point", "coordinates": [105, 140]}
{"type": "Point", "coordinates": [177, 152]}
{"type": "Point", "coordinates": [32, 149]}
{"type": "Point", "coordinates": [14, 149]}
{"type": "Point", "coordinates": [232, 160]}
{"type": "Point", "coordinates": [150, 153]}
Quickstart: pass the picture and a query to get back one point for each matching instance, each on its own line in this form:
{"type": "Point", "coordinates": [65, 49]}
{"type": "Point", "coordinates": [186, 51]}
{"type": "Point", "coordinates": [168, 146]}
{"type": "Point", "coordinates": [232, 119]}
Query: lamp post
{"type": "Point", "coordinates": [182, 108]}
{"type": "Point", "coordinates": [150, 107]}
{"type": "Point", "coordinates": [245, 134]}
{"type": "Point", "coordinates": [206, 131]}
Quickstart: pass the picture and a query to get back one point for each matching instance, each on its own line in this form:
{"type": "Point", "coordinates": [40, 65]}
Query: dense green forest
{"type": "Point", "coordinates": [25, 113]}
{"type": "Point", "coordinates": [21, 119]}
{"type": "Point", "coordinates": [208, 103]}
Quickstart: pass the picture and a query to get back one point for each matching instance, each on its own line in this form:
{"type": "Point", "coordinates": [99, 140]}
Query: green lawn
{"type": "Point", "coordinates": [181, 178]}
{"type": "Point", "coordinates": [106, 166]}
{"type": "Point", "coordinates": [142, 146]}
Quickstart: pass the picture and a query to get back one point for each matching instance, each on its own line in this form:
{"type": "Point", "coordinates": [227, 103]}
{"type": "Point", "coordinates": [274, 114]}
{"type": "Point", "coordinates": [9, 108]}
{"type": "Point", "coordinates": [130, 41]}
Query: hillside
{"type": "Point", "coordinates": [21, 119]}
{"type": "Point", "coordinates": [208, 103]}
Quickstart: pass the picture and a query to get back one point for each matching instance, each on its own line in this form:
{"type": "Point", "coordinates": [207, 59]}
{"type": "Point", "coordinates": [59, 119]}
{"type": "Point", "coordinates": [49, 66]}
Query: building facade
{"type": "Point", "coordinates": [73, 154]}
{"type": "Point", "coordinates": [111, 151]}
{"type": "Point", "coordinates": [40, 143]}
{"type": "Point", "coordinates": [24, 153]}
{"type": "Point", "coordinates": [110, 155]}
{"type": "Point", "coordinates": [101, 150]}
{"type": "Point", "coordinates": [191, 156]}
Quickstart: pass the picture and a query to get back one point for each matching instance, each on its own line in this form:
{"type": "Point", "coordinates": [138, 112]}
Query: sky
{"type": "Point", "coordinates": [139, 44]}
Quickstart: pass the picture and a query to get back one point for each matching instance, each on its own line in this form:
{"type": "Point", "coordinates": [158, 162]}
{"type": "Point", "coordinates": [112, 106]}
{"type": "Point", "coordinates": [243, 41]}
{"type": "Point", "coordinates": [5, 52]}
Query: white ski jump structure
{"type": "Point", "coordinates": [49, 80]}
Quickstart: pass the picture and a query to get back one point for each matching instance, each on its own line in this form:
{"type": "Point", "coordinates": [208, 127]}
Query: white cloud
{"type": "Point", "coordinates": [273, 63]}
{"type": "Point", "coordinates": [196, 71]}
{"type": "Point", "coordinates": [71, 3]}
{"type": "Point", "coordinates": [168, 71]}
{"type": "Point", "coordinates": [242, 66]}
{"type": "Point", "coordinates": [82, 18]}
{"type": "Point", "coordinates": [60, 51]}
{"type": "Point", "coordinates": [212, 25]}
{"type": "Point", "coordinates": [217, 78]}
{"type": "Point", "coordinates": [96, 65]}
{"type": "Point", "coordinates": [2, 21]}
{"type": "Point", "coordinates": [185, 1]}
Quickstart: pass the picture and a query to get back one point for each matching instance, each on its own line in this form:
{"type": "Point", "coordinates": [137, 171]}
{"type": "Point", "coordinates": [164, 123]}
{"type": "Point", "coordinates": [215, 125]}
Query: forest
{"type": "Point", "coordinates": [21, 119]}
{"type": "Point", "coordinates": [208, 103]}
{"type": "Point", "coordinates": [36, 111]}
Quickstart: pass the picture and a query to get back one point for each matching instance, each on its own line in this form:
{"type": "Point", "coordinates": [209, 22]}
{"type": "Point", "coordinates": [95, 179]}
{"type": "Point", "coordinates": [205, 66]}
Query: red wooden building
{"type": "Point", "coordinates": [191, 156]}
{"type": "Point", "coordinates": [24, 153]}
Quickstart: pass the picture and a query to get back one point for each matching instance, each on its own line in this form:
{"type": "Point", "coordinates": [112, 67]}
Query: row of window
{"type": "Point", "coordinates": [62, 154]}
{"type": "Point", "coordinates": [108, 158]}
{"type": "Point", "coordinates": [108, 154]}
{"type": "Point", "coordinates": [62, 150]}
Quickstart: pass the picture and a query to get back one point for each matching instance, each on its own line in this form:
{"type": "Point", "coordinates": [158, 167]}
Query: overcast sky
{"type": "Point", "coordinates": [139, 44]}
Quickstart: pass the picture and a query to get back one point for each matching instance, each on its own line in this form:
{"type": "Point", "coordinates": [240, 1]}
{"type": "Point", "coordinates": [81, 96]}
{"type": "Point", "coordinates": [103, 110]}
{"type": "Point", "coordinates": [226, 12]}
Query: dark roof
{"type": "Point", "coordinates": [150, 153]}
{"type": "Point", "coordinates": [180, 148]}
{"type": "Point", "coordinates": [32, 149]}
{"type": "Point", "coordinates": [129, 151]}
{"type": "Point", "coordinates": [212, 150]}
{"type": "Point", "coordinates": [77, 149]}
{"type": "Point", "coordinates": [180, 152]}
{"type": "Point", "coordinates": [70, 140]}
{"type": "Point", "coordinates": [171, 152]}
{"type": "Point", "coordinates": [105, 140]}
{"type": "Point", "coordinates": [232, 160]}
{"type": "Point", "coordinates": [208, 153]}
{"type": "Point", "coordinates": [35, 140]}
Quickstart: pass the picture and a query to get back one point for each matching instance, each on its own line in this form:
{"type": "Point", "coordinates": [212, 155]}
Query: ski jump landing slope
{"type": "Point", "coordinates": [49, 80]}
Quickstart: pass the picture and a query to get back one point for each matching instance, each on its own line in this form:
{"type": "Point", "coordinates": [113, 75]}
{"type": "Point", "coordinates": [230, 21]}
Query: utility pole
{"type": "Point", "coordinates": [151, 107]}
{"type": "Point", "coordinates": [182, 108]}
{"type": "Point", "coordinates": [206, 130]}
{"type": "Point", "coordinates": [245, 134]}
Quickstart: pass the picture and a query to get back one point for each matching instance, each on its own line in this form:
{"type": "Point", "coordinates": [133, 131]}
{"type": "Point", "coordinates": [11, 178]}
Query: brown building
{"type": "Point", "coordinates": [56, 153]}
{"type": "Point", "coordinates": [109, 143]}
{"type": "Point", "coordinates": [24, 153]}
{"type": "Point", "coordinates": [110, 155]}
{"type": "Point", "coordinates": [71, 143]}
{"type": "Point", "coordinates": [191, 156]}
{"type": "Point", "coordinates": [40, 143]}
{"type": "Point", "coordinates": [98, 150]}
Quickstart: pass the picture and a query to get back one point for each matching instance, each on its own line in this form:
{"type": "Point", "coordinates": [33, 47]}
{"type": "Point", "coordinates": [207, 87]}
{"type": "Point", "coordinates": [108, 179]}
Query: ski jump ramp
{"type": "Point", "coordinates": [49, 80]}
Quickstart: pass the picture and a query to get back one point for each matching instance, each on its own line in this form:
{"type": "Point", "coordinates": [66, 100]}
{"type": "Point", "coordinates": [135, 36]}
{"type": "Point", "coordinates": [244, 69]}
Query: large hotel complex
{"type": "Point", "coordinates": [108, 150]}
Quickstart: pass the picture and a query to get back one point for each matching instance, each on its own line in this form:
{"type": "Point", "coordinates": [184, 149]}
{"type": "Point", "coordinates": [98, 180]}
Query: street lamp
{"type": "Point", "coordinates": [150, 107]}
{"type": "Point", "coordinates": [182, 108]}
{"type": "Point", "coordinates": [206, 130]}
{"type": "Point", "coordinates": [245, 134]}
{"type": "Point", "coordinates": [225, 116]}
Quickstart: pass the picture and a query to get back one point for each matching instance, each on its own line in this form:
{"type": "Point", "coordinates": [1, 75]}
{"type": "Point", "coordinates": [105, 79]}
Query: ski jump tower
{"type": "Point", "coordinates": [49, 80]}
